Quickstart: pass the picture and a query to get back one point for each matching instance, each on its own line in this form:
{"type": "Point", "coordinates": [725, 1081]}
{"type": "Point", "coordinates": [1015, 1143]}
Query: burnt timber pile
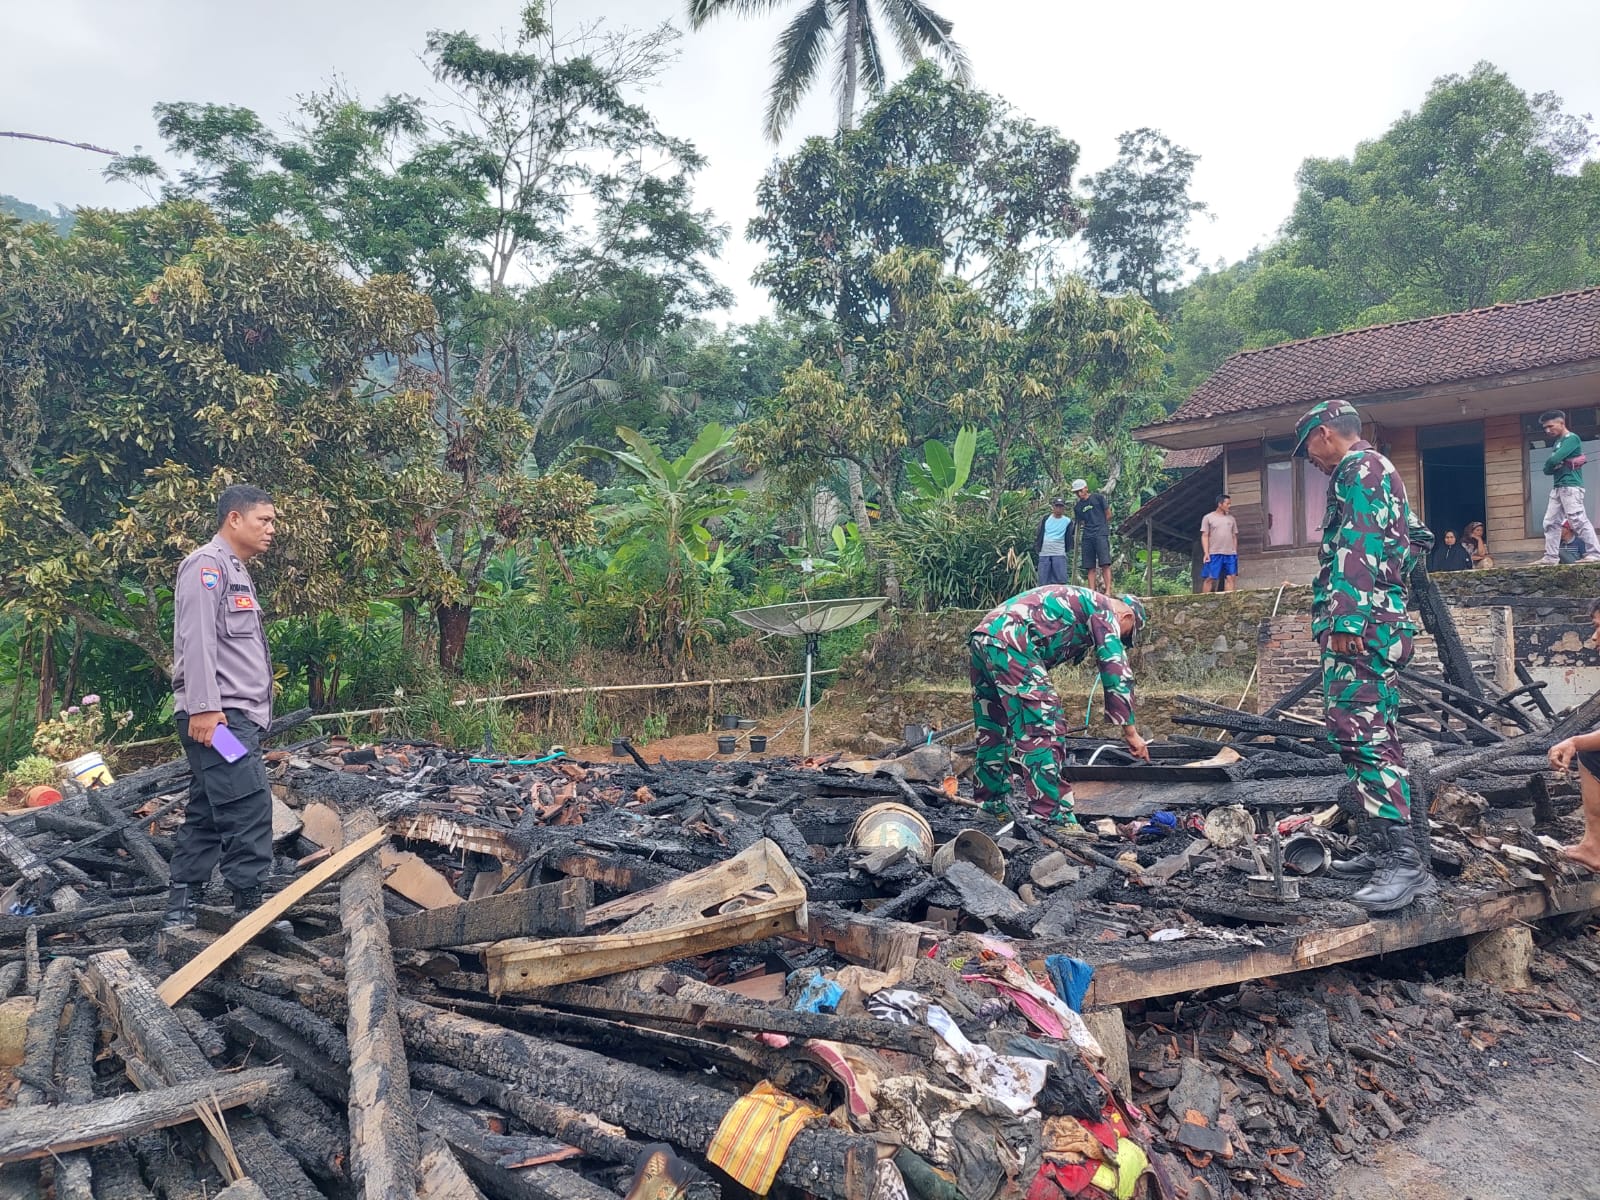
{"type": "Point", "coordinates": [569, 982]}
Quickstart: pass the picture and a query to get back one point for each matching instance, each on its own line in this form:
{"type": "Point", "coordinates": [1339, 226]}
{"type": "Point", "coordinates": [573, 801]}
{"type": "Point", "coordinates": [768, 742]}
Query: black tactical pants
{"type": "Point", "coordinates": [230, 811]}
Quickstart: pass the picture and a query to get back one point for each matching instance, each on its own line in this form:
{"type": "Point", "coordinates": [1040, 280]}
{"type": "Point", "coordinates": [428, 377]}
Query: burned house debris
{"type": "Point", "coordinates": [568, 981]}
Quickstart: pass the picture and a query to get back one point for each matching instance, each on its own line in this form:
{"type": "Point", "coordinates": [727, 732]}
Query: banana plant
{"type": "Point", "coordinates": [941, 477]}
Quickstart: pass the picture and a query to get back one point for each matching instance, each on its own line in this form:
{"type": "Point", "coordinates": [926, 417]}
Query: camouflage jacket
{"type": "Point", "coordinates": [1366, 555]}
{"type": "Point", "coordinates": [1059, 624]}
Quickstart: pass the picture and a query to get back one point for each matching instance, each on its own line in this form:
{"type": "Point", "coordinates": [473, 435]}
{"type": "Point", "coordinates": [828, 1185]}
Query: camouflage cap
{"type": "Point", "coordinates": [1139, 614]}
{"type": "Point", "coordinates": [1320, 413]}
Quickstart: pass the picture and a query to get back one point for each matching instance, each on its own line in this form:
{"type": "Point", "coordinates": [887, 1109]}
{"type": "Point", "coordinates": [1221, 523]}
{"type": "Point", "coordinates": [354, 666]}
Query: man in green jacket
{"type": "Point", "coordinates": [1370, 539]}
{"type": "Point", "coordinates": [1565, 468]}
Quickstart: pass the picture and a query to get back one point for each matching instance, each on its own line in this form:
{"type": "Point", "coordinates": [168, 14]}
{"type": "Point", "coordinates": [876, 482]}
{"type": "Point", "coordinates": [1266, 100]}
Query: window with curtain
{"type": "Point", "coordinates": [1313, 500]}
{"type": "Point", "coordinates": [1278, 478]}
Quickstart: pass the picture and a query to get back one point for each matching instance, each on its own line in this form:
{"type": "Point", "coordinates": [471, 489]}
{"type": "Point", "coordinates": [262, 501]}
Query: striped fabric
{"type": "Point", "coordinates": [753, 1139]}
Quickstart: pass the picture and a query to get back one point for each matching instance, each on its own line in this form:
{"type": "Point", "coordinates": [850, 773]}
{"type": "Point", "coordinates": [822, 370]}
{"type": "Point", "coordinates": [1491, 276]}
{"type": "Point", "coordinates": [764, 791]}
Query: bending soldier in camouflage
{"type": "Point", "coordinates": [1014, 703]}
{"type": "Point", "coordinates": [1359, 619]}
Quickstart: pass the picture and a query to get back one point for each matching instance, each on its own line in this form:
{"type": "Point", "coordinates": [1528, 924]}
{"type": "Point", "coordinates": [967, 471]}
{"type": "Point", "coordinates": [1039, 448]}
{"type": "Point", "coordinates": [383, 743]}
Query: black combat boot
{"type": "Point", "coordinates": [1401, 876]}
{"type": "Point", "coordinates": [246, 900]}
{"type": "Point", "coordinates": [1365, 861]}
{"type": "Point", "coordinates": [180, 910]}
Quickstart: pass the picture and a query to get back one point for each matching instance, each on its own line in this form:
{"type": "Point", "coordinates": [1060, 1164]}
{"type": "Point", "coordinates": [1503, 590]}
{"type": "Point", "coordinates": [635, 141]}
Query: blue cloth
{"type": "Point", "coordinates": [1220, 566]}
{"type": "Point", "coordinates": [1055, 533]}
{"type": "Point", "coordinates": [820, 995]}
{"type": "Point", "coordinates": [1070, 977]}
{"type": "Point", "coordinates": [1052, 569]}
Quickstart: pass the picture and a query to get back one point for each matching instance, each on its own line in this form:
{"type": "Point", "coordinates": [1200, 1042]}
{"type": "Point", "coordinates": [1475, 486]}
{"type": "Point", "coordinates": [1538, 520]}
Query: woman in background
{"type": "Point", "coordinates": [1449, 555]}
{"type": "Point", "coordinates": [1477, 545]}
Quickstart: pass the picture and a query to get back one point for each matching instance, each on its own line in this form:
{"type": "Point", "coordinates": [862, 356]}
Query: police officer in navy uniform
{"type": "Point", "coordinates": [222, 675]}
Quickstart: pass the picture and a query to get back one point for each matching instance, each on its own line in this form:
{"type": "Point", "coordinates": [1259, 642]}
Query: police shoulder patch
{"type": "Point", "coordinates": [210, 577]}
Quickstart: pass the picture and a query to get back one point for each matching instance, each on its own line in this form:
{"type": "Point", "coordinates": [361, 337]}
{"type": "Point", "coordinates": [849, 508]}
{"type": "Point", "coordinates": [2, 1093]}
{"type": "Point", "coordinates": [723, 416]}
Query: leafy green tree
{"type": "Point", "coordinates": [1139, 215]}
{"type": "Point", "coordinates": [1475, 198]}
{"type": "Point", "coordinates": [854, 29]}
{"type": "Point", "coordinates": [552, 223]}
{"type": "Point", "coordinates": [672, 500]}
{"type": "Point", "coordinates": [151, 358]}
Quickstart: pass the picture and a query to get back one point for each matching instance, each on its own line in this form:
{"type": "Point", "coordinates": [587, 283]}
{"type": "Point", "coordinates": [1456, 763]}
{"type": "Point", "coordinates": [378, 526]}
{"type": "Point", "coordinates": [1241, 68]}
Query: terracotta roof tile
{"type": "Point", "coordinates": [1188, 460]}
{"type": "Point", "coordinates": [1481, 343]}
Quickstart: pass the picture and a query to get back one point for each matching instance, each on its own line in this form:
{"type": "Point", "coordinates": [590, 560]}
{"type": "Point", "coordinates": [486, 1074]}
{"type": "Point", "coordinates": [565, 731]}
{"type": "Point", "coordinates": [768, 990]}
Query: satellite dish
{"type": "Point", "coordinates": [809, 619]}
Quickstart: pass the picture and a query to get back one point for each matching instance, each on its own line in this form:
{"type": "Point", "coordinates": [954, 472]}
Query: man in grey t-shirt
{"type": "Point", "coordinates": [1219, 546]}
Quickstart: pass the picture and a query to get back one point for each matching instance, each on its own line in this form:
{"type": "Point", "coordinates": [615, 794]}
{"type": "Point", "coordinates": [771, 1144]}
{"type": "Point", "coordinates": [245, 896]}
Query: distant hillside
{"type": "Point", "coordinates": [62, 220]}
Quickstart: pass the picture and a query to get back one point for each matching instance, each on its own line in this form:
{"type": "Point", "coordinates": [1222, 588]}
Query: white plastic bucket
{"type": "Point", "coordinates": [90, 770]}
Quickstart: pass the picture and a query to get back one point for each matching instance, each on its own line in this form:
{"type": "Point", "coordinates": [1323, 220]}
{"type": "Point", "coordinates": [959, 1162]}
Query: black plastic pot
{"type": "Point", "coordinates": [727, 744]}
{"type": "Point", "coordinates": [758, 743]}
{"type": "Point", "coordinates": [728, 721]}
{"type": "Point", "coordinates": [619, 748]}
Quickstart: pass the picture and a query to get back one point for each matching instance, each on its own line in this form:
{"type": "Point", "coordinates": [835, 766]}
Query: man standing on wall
{"type": "Point", "coordinates": [1358, 618]}
{"type": "Point", "coordinates": [1014, 704]}
{"type": "Point", "coordinates": [1219, 544]}
{"type": "Point", "coordinates": [1094, 533]}
{"type": "Point", "coordinates": [1052, 542]}
{"type": "Point", "coordinates": [1565, 468]}
{"type": "Point", "coordinates": [222, 685]}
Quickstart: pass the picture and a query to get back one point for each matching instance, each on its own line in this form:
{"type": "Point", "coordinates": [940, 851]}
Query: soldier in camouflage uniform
{"type": "Point", "coordinates": [1359, 619]}
{"type": "Point", "coordinates": [1014, 704]}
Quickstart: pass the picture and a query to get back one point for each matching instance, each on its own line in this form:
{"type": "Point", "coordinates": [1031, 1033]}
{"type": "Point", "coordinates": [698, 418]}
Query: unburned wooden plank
{"type": "Point", "coordinates": [182, 981]}
{"type": "Point", "coordinates": [753, 895]}
{"type": "Point", "coordinates": [547, 909]}
{"type": "Point", "coordinates": [41, 1131]}
{"type": "Point", "coordinates": [1171, 970]}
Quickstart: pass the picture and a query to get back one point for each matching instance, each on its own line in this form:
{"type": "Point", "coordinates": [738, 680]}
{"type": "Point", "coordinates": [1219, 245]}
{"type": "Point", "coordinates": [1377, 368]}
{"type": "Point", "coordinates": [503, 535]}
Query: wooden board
{"type": "Point", "coordinates": [323, 826]}
{"type": "Point", "coordinates": [753, 895]}
{"type": "Point", "coordinates": [44, 1131]}
{"type": "Point", "coordinates": [405, 874]}
{"type": "Point", "coordinates": [285, 821]}
{"type": "Point", "coordinates": [1179, 968]}
{"type": "Point", "coordinates": [546, 909]}
{"type": "Point", "coordinates": [184, 980]}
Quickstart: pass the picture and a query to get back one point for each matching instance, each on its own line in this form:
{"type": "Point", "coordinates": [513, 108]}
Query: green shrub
{"type": "Point", "coordinates": [962, 555]}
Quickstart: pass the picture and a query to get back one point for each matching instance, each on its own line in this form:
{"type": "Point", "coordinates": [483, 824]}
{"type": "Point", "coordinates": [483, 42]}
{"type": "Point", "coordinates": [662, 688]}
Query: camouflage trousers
{"type": "Point", "coordinates": [1361, 701]}
{"type": "Point", "coordinates": [1016, 709]}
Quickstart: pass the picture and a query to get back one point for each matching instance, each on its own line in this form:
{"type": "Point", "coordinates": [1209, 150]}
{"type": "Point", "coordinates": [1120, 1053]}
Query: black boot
{"type": "Point", "coordinates": [1365, 862]}
{"type": "Point", "coordinates": [246, 900]}
{"type": "Point", "coordinates": [1401, 876]}
{"type": "Point", "coordinates": [180, 911]}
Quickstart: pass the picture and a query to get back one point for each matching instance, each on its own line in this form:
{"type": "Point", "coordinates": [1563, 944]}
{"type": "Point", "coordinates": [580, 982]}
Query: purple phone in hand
{"type": "Point", "coordinates": [225, 744]}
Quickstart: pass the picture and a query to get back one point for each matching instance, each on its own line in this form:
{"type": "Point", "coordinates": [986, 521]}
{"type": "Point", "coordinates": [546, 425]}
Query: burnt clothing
{"type": "Point", "coordinates": [220, 658]}
{"type": "Point", "coordinates": [229, 816]}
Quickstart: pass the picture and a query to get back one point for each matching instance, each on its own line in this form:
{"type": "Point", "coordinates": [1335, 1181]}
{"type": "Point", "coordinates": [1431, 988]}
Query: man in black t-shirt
{"type": "Point", "coordinates": [1093, 516]}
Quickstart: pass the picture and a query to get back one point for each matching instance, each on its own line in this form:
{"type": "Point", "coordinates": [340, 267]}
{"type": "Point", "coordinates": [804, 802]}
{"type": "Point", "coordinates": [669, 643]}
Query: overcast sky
{"type": "Point", "coordinates": [1252, 88]}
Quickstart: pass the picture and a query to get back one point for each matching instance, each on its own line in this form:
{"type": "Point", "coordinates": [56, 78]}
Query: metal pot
{"type": "Point", "coordinates": [893, 825]}
{"type": "Point", "coordinates": [973, 846]}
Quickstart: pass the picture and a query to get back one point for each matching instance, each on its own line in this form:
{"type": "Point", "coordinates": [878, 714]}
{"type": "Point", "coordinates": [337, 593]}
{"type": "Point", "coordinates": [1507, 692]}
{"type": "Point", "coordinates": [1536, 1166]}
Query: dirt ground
{"type": "Point", "coordinates": [1535, 1140]}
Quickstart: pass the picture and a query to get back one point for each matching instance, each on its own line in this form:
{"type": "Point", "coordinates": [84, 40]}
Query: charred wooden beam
{"type": "Point", "coordinates": [383, 1128]}
{"type": "Point", "coordinates": [74, 1076]}
{"type": "Point", "coordinates": [36, 1070]}
{"type": "Point", "coordinates": [583, 1130]}
{"type": "Point", "coordinates": [492, 1160]}
{"type": "Point", "coordinates": [821, 1160]}
{"type": "Point", "coordinates": [154, 1033]}
{"type": "Point", "coordinates": [549, 909]}
{"type": "Point", "coordinates": [39, 1132]}
{"type": "Point", "coordinates": [443, 1177]}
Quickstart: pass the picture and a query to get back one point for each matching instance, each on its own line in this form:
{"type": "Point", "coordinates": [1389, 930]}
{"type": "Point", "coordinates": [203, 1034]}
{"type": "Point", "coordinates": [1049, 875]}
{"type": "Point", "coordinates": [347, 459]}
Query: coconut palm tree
{"type": "Point", "coordinates": [847, 31]}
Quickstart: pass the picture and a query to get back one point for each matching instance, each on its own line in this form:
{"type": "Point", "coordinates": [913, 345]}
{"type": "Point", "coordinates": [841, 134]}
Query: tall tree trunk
{"type": "Point", "coordinates": [46, 707]}
{"type": "Point", "coordinates": [454, 621]}
{"type": "Point", "coordinates": [851, 49]}
{"type": "Point", "coordinates": [316, 687]}
{"type": "Point", "coordinates": [408, 622]}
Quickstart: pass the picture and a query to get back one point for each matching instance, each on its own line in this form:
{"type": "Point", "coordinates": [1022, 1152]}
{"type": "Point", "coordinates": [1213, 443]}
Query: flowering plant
{"type": "Point", "coordinates": [78, 729]}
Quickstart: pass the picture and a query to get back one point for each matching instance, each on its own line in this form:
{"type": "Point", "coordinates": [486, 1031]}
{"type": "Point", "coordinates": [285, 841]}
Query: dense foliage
{"type": "Point", "coordinates": [466, 341]}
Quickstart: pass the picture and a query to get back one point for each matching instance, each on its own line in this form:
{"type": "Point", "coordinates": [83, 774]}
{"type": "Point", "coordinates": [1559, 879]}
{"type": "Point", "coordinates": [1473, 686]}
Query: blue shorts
{"type": "Point", "coordinates": [1220, 566]}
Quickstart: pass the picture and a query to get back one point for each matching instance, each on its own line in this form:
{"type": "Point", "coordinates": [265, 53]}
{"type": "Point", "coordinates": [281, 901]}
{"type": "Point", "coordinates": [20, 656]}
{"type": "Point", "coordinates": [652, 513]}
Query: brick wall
{"type": "Point", "coordinates": [1285, 652]}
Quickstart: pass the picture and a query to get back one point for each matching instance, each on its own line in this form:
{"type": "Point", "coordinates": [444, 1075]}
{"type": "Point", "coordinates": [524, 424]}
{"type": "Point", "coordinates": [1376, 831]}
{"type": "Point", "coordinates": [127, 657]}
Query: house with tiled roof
{"type": "Point", "coordinates": [1452, 400]}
